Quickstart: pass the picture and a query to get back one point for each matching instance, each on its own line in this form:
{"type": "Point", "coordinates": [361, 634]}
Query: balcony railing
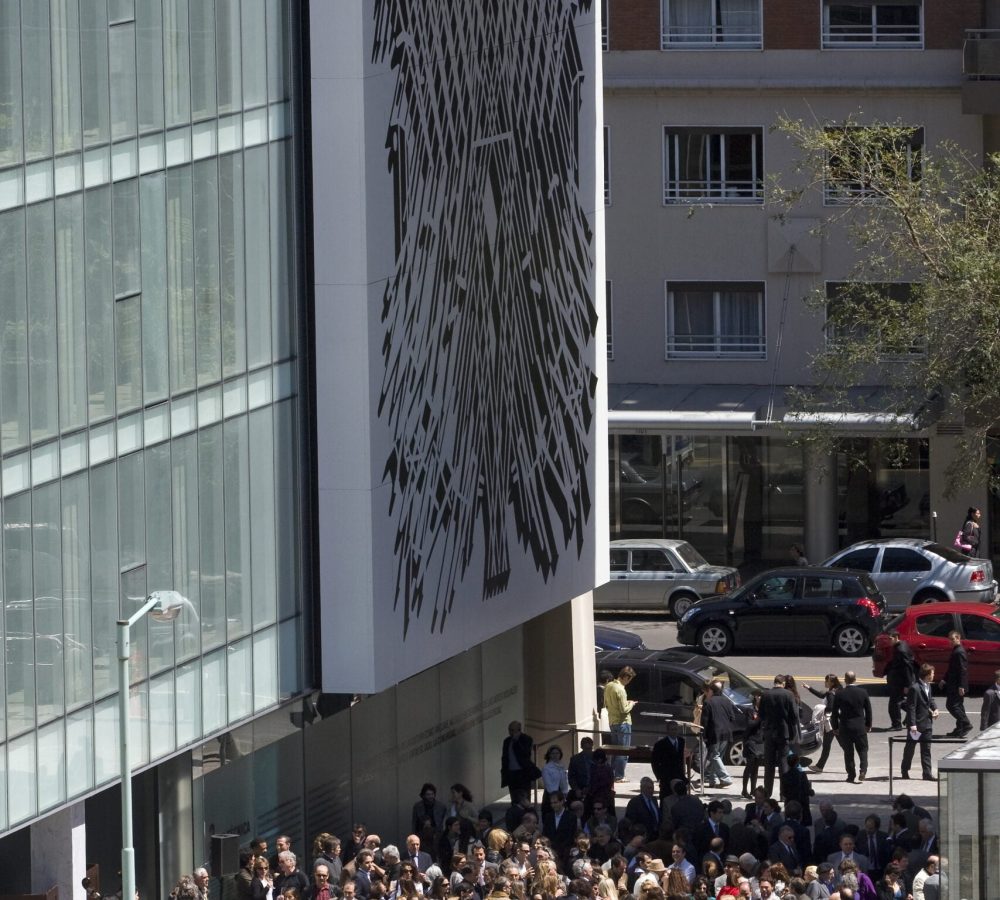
{"type": "Point", "coordinates": [716, 191]}
{"type": "Point", "coordinates": [680, 37]}
{"type": "Point", "coordinates": [981, 55]}
{"type": "Point", "coordinates": [736, 345]}
{"type": "Point", "coordinates": [886, 36]}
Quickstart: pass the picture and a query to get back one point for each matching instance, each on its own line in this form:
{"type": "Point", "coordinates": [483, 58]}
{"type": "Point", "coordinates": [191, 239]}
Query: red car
{"type": "Point", "coordinates": [925, 628]}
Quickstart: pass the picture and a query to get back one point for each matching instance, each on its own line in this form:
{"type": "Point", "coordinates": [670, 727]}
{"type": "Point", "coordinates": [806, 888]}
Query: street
{"type": "Point", "coordinates": [854, 801]}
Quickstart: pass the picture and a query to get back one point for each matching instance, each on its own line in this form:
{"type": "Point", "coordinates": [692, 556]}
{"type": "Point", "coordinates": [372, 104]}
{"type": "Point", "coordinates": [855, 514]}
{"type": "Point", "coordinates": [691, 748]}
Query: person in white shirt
{"type": "Point", "coordinates": [920, 879]}
{"type": "Point", "coordinates": [680, 861]}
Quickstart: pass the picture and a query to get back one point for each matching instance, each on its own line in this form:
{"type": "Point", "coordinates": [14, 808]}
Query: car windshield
{"type": "Point", "coordinates": [946, 553]}
{"type": "Point", "coordinates": [691, 557]}
{"type": "Point", "coordinates": [736, 686]}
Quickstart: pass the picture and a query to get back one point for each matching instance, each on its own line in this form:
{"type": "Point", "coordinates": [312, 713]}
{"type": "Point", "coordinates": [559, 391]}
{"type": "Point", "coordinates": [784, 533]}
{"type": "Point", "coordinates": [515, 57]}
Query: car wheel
{"type": "Point", "coordinates": [715, 639]}
{"type": "Point", "coordinates": [734, 754]}
{"type": "Point", "coordinates": [930, 597]}
{"type": "Point", "coordinates": [850, 640]}
{"type": "Point", "coordinates": [680, 604]}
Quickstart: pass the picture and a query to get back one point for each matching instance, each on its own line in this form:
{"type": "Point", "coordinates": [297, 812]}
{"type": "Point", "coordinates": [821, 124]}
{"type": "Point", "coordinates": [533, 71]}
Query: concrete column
{"type": "Point", "coordinates": [175, 821]}
{"type": "Point", "coordinates": [560, 683]}
{"type": "Point", "coordinates": [59, 852]}
{"type": "Point", "coordinates": [820, 482]}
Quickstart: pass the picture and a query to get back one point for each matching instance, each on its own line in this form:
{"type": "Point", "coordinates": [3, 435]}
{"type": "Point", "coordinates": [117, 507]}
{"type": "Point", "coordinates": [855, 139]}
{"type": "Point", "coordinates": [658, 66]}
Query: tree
{"type": "Point", "coordinates": [920, 312]}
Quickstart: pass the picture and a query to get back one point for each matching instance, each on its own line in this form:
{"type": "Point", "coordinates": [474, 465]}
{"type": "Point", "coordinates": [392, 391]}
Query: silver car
{"type": "Point", "coordinates": [655, 575]}
{"type": "Point", "coordinates": [913, 570]}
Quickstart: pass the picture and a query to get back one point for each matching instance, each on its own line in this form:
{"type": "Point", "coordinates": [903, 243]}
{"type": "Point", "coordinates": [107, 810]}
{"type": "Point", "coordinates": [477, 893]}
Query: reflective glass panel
{"type": "Point", "coordinates": [206, 269]}
{"type": "Point", "coordinates": [10, 83]}
{"type": "Point", "coordinates": [76, 588]}
{"type": "Point", "coordinates": [100, 303]}
{"type": "Point", "coordinates": [14, 336]}
{"type": "Point", "coordinates": [46, 559]}
{"type": "Point", "coordinates": [43, 380]}
{"type": "Point", "coordinates": [149, 56]}
{"type": "Point", "coordinates": [71, 312]}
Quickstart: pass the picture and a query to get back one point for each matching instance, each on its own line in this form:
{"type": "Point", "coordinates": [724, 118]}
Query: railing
{"type": "Point", "coordinates": [885, 36]}
{"type": "Point", "coordinates": [981, 55]}
{"type": "Point", "coordinates": [730, 37]}
{"type": "Point", "coordinates": [714, 190]}
{"type": "Point", "coordinates": [748, 345]}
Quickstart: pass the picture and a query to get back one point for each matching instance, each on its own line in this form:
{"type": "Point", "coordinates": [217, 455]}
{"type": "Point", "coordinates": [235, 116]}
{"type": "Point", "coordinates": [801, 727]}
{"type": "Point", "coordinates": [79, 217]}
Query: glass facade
{"type": "Point", "coordinates": [149, 410]}
{"type": "Point", "coordinates": [741, 500]}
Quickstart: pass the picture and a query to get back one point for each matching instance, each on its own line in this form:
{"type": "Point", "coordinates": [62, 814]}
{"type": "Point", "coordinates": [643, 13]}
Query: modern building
{"type": "Point", "coordinates": [299, 322]}
{"type": "Point", "coordinates": [708, 332]}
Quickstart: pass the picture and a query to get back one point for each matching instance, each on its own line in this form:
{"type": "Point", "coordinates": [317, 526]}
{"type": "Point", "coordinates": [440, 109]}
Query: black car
{"type": "Point", "coordinates": [607, 638]}
{"type": "Point", "coordinates": [795, 607]}
{"type": "Point", "coordinates": [666, 685]}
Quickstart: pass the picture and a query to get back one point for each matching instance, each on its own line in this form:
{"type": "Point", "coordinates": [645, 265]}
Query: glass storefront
{"type": "Point", "coordinates": [741, 500]}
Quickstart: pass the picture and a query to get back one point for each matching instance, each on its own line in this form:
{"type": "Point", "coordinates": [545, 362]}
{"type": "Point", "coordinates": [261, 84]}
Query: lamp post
{"type": "Point", "coordinates": [164, 606]}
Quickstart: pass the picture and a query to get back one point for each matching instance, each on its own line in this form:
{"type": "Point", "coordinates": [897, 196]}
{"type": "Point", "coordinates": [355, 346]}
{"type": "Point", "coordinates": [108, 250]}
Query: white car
{"type": "Point", "coordinates": [661, 575]}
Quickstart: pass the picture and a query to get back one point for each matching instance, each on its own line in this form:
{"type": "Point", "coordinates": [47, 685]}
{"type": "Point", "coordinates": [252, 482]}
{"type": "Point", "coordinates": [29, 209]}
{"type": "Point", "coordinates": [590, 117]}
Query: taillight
{"type": "Point", "coordinates": [870, 606]}
{"type": "Point", "coordinates": [978, 575]}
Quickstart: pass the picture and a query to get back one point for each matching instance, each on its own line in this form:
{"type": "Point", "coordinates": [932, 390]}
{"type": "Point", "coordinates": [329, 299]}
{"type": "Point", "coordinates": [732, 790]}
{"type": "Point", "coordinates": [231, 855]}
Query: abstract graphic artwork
{"type": "Point", "coordinates": [489, 320]}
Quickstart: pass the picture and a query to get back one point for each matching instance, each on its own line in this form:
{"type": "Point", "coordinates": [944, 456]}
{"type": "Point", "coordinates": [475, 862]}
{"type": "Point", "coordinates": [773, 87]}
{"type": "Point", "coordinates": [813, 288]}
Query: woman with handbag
{"type": "Point", "coordinates": [831, 684]}
{"type": "Point", "coordinates": [967, 539]}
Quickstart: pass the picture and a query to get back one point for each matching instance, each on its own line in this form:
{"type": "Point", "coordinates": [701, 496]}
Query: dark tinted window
{"type": "Point", "coordinates": [643, 686]}
{"type": "Point", "coordinates": [935, 624]}
{"type": "Point", "coordinates": [775, 588]}
{"type": "Point", "coordinates": [650, 561]}
{"type": "Point", "coordinates": [838, 588]}
{"type": "Point", "coordinates": [946, 553]}
{"type": "Point", "coordinates": [858, 559]}
{"type": "Point", "coordinates": [672, 688]}
{"type": "Point", "coordinates": [899, 559]}
{"type": "Point", "coordinates": [980, 628]}
{"type": "Point", "coordinates": [619, 560]}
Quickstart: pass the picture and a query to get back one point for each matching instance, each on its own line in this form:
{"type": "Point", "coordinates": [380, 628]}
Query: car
{"type": "Point", "coordinates": [915, 570]}
{"type": "Point", "coordinates": [667, 683]}
{"type": "Point", "coordinates": [645, 495]}
{"type": "Point", "coordinates": [660, 575]}
{"type": "Point", "coordinates": [925, 628]}
{"type": "Point", "coordinates": [797, 606]}
{"type": "Point", "coordinates": [607, 638]}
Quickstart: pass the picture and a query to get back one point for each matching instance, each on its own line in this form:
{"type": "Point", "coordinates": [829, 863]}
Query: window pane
{"type": "Point", "coordinates": [212, 529]}
{"type": "Point", "coordinates": [278, 37]}
{"type": "Point", "coordinates": [188, 703]}
{"type": "Point", "coordinates": [228, 54]}
{"type": "Point", "coordinates": [47, 558]}
{"type": "Point", "coordinates": [240, 663]}
{"type": "Point", "coordinates": [128, 337]}
{"type": "Point", "coordinates": [186, 544]}
{"type": "Point", "coordinates": [286, 501]}
{"type": "Point", "coordinates": [694, 320]}
{"type": "Point", "coordinates": [71, 310]}
{"type": "Point", "coordinates": [203, 59]}
{"type": "Point", "coordinates": [213, 680]}
{"type": "Point", "coordinates": [206, 269]}
{"type": "Point", "coordinates": [159, 558]}
{"type": "Point", "coordinates": [134, 589]}
{"type": "Point", "coordinates": [51, 765]}
{"type": "Point", "coordinates": [161, 716]}
{"type": "Point", "coordinates": [104, 576]}
{"type": "Point", "coordinates": [936, 625]}
{"type": "Point", "coordinates": [100, 303]}
{"type": "Point", "coordinates": [80, 755]}
{"type": "Point", "coordinates": [740, 326]}
{"type": "Point", "coordinates": [44, 384]}
{"type": "Point", "coordinates": [94, 75]}
{"type": "Point", "coordinates": [10, 84]}
{"type": "Point", "coordinates": [21, 779]}
{"type": "Point", "coordinates": [283, 266]}
{"type": "Point", "coordinates": [258, 277]}
{"type": "Point", "coordinates": [76, 588]}
{"type": "Point", "coordinates": [149, 56]}
{"type": "Point", "coordinates": [19, 626]}
{"type": "Point", "coordinates": [128, 278]}
{"type": "Point", "coordinates": [180, 280]}
{"type": "Point", "coordinates": [262, 534]}
{"type": "Point", "coordinates": [254, 52]}
{"type": "Point", "coordinates": [106, 761]}
{"type": "Point", "coordinates": [176, 62]}
{"type": "Point", "coordinates": [37, 80]}
{"type": "Point", "coordinates": [66, 74]}
{"type": "Point", "coordinates": [237, 513]}
{"type": "Point", "coordinates": [265, 669]}
{"type": "Point", "coordinates": [121, 47]}
{"type": "Point", "coordinates": [131, 512]}
{"type": "Point", "coordinates": [233, 295]}
{"type": "Point", "coordinates": [153, 215]}
{"type": "Point", "coordinates": [14, 336]}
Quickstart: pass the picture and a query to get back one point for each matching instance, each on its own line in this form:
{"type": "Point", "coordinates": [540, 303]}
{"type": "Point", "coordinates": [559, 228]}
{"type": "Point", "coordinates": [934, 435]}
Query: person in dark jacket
{"type": "Point", "coordinates": [921, 711]}
{"type": "Point", "coordinates": [969, 535]}
{"type": "Point", "coordinates": [831, 684]}
{"type": "Point", "coordinates": [956, 686]}
{"type": "Point", "coordinates": [990, 713]}
{"type": "Point", "coordinates": [852, 720]}
{"type": "Point", "coordinates": [517, 770]}
{"type": "Point", "coordinates": [900, 676]}
{"type": "Point", "coordinates": [779, 720]}
{"type": "Point", "coordinates": [668, 758]}
{"type": "Point", "coordinates": [717, 718]}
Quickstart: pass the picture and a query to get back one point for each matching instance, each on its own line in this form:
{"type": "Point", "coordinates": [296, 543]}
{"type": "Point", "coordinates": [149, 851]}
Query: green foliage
{"type": "Point", "coordinates": [929, 217]}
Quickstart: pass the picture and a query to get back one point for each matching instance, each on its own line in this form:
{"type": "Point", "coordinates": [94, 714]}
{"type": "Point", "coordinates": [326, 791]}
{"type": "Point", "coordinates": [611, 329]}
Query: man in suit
{"type": "Point", "coordinates": [756, 810]}
{"type": "Point", "coordinates": [711, 828]}
{"type": "Point", "coordinates": [668, 758]}
{"type": "Point", "coordinates": [779, 719]}
{"type": "Point", "coordinates": [956, 686]}
{"type": "Point", "coordinates": [829, 828]}
{"type": "Point", "coordinates": [793, 819]}
{"type": "Point", "coordinates": [578, 770]}
{"type": "Point", "coordinates": [921, 711]}
{"type": "Point", "coordinates": [717, 718]}
{"type": "Point", "coordinates": [517, 771]}
{"type": "Point", "coordinates": [900, 676]}
{"type": "Point", "coordinates": [847, 851]}
{"type": "Point", "coordinates": [873, 843]}
{"type": "Point", "coordinates": [644, 809]}
{"type": "Point", "coordinates": [559, 824]}
{"type": "Point", "coordinates": [990, 714]}
{"type": "Point", "coordinates": [783, 850]}
{"type": "Point", "coordinates": [852, 720]}
{"type": "Point", "coordinates": [414, 854]}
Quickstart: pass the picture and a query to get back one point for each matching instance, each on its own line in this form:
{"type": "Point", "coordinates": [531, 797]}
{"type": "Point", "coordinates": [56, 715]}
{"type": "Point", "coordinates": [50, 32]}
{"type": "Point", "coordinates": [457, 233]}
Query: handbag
{"type": "Point", "coordinates": [960, 543]}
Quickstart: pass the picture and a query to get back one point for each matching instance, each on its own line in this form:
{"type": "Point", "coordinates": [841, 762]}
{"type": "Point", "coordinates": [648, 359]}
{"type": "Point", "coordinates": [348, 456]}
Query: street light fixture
{"type": "Point", "coordinates": [164, 606]}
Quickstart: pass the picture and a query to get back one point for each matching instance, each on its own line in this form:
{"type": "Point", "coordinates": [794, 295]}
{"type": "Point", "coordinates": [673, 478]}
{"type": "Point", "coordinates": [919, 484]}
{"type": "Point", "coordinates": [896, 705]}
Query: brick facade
{"type": "Point", "coordinates": [945, 22]}
{"type": "Point", "coordinates": [634, 24]}
{"type": "Point", "coordinates": [791, 24]}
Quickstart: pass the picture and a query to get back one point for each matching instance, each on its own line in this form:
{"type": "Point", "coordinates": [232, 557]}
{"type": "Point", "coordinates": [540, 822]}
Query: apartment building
{"type": "Point", "coordinates": [707, 328]}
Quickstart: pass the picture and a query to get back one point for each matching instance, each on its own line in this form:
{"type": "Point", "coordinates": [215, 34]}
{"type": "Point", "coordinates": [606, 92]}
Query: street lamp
{"type": "Point", "coordinates": [164, 606]}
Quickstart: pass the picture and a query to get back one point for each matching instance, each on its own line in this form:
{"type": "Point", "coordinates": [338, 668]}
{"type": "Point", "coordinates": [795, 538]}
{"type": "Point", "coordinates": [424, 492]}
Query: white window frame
{"type": "Point", "coordinates": [836, 193]}
{"type": "Point", "coordinates": [722, 190]}
{"type": "Point", "coordinates": [714, 38]}
{"type": "Point", "coordinates": [720, 349]}
{"type": "Point", "coordinates": [872, 38]}
{"type": "Point", "coordinates": [609, 317]}
{"type": "Point", "coordinates": [607, 165]}
{"type": "Point", "coordinates": [831, 337]}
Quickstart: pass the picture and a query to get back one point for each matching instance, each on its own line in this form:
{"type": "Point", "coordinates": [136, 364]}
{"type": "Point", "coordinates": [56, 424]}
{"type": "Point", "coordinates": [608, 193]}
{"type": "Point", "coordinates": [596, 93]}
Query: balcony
{"type": "Point", "coordinates": [981, 72]}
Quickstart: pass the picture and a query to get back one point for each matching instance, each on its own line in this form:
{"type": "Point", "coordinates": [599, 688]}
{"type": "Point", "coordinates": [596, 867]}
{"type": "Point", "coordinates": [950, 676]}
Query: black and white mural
{"type": "Point", "coordinates": [487, 321]}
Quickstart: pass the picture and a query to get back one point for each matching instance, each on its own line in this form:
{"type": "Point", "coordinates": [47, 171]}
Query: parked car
{"type": "Point", "coordinates": [657, 575]}
{"type": "Point", "coordinates": [645, 494]}
{"type": "Point", "coordinates": [925, 628]}
{"type": "Point", "coordinates": [913, 570]}
{"type": "Point", "coordinates": [607, 638]}
{"type": "Point", "coordinates": [668, 682]}
{"type": "Point", "coordinates": [798, 606]}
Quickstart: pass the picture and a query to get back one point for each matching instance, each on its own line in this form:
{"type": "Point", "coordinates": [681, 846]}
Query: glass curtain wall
{"type": "Point", "coordinates": [149, 411]}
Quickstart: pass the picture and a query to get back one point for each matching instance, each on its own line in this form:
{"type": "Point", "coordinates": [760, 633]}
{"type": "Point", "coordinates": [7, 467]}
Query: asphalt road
{"type": "Point", "coordinates": [853, 801]}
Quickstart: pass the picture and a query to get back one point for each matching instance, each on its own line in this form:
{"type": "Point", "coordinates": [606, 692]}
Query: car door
{"type": "Point", "coordinates": [821, 608]}
{"type": "Point", "coordinates": [981, 637]}
{"type": "Point", "coordinates": [930, 642]}
{"type": "Point", "coordinates": [646, 714]}
{"type": "Point", "coordinates": [900, 572]}
{"type": "Point", "coordinates": [768, 619]}
{"type": "Point", "coordinates": [650, 579]}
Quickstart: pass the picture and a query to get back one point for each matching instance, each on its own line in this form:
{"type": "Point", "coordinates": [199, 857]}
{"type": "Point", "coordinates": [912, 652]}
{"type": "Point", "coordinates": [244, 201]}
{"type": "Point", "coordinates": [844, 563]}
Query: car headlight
{"type": "Point", "coordinates": [690, 614]}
